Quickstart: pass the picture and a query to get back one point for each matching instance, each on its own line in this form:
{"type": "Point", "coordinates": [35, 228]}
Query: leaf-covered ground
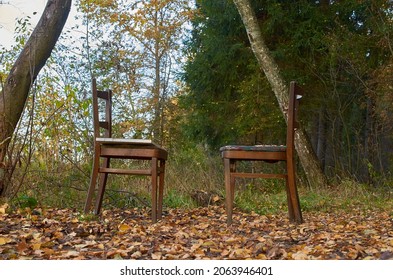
{"type": "Point", "coordinates": [194, 234]}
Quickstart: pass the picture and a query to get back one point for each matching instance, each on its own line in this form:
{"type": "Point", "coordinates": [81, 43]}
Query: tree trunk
{"type": "Point", "coordinates": [24, 72]}
{"type": "Point", "coordinates": [309, 161]}
{"type": "Point", "coordinates": [321, 147]}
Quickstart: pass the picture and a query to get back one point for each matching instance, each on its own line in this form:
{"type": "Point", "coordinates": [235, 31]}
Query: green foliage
{"type": "Point", "coordinates": [230, 99]}
{"type": "Point", "coordinates": [22, 29]}
{"type": "Point", "coordinates": [26, 201]}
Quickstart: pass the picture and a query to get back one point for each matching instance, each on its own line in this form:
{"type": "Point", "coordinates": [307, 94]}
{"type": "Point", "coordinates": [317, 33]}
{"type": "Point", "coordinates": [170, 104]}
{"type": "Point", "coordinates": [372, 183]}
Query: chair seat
{"type": "Point", "coordinates": [130, 148]}
{"type": "Point", "coordinates": [136, 142]}
{"type": "Point", "coordinates": [268, 153]}
{"type": "Point", "coordinates": [255, 148]}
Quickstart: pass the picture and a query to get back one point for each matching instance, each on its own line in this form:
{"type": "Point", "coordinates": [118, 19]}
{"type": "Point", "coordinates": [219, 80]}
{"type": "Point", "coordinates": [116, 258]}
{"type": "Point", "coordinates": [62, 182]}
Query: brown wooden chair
{"type": "Point", "coordinates": [106, 147]}
{"type": "Point", "coordinates": [269, 154]}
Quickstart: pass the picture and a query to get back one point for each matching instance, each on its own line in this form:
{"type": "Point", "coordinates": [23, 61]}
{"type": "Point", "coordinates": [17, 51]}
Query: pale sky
{"type": "Point", "coordinates": [14, 9]}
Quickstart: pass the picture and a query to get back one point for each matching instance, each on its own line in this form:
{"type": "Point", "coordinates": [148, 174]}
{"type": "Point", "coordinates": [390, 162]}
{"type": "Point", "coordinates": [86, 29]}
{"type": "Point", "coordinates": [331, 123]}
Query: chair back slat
{"type": "Point", "coordinates": [103, 94]}
{"type": "Point", "coordinates": [106, 122]}
{"type": "Point", "coordinates": [104, 125]}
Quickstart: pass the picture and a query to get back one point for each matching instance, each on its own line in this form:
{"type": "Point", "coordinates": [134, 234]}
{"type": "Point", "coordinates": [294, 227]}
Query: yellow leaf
{"type": "Point", "coordinates": [4, 240]}
{"type": "Point", "coordinates": [124, 228]}
{"type": "Point", "coordinates": [36, 246]}
{"type": "Point", "coordinates": [48, 244]}
{"type": "Point", "coordinates": [3, 208]}
{"type": "Point", "coordinates": [208, 244]}
{"type": "Point", "coordinates": [232, 240]}
{"type": "Point", "coordinates": [261, 257]}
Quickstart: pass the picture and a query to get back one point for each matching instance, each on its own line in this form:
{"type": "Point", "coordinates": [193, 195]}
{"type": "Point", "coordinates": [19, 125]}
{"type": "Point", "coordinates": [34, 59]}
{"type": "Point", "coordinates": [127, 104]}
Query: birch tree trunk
{"type": "Point", "coordinates": [308, 159]}
{"type": "Point", "coordinates": [24, 72]}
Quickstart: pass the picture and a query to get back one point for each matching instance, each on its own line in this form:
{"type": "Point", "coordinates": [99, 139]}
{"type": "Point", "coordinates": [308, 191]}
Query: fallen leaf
{"type": "Point", "coordinates": [208, 244]}
{"type": "Point", "coordinates": [300, 256]}
{"type": "Point", "coordinates": [261, 257]}
{"type": "Point", "coordinates": [22, 246]}
{"type": "Point", "coordinates": [3, 208]}
{"type": "Point", "coordinates": [136, 255]}
{"type": "Point", "coordinates": [4, 240]}
{"type": "Point", "coordinates": [123, 228]}
{"type": "Point", "coordinates": [72, 254]}
{"type": "Point", "coordinates": [156, 256]}
{"type": "Point", "coordinates": [36, 246]}
{"type": "Point", "coordinates": [387, 255]}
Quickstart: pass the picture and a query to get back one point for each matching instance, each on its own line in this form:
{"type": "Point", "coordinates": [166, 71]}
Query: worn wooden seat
{"type": "Point", "coordinates": [270, 154]}
{"type": "Point", "coordinates": [106, 147]}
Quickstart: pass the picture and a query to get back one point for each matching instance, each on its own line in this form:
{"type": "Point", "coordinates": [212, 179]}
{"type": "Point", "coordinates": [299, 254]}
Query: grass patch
{"type": "Point", "coordinates": [174, 199]}
{"type": "Point", "coordinates": [271, 199]}
{"type": "Point", "coordinates": [268, 198]}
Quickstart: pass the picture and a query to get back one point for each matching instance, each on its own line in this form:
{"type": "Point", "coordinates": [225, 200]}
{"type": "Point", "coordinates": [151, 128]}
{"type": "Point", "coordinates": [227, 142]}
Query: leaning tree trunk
{"type": "Point", "coordinates": [24, 72]}
{"type": "Point", "coordinates": [309, 161]}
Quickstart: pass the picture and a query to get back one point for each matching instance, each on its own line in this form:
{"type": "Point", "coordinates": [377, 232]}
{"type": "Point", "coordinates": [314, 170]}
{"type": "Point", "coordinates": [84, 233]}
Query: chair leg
{"type": "Point", "coordinates": [233, 169]}
{"type": "Point", "coordinates": [294, 204]}
{"type": "Point", "coordinates": [154, 175]}
{"type": "Point", "coordinates": [161, 188]}
{"type": "Point", "coordinates": [101, 187]}
{"type": "Point", "coordinates": [291, 213]}
{"type": "Point", "coordinates": [229, 189]}
{"type": "Point", "coordinates": [93, 182]}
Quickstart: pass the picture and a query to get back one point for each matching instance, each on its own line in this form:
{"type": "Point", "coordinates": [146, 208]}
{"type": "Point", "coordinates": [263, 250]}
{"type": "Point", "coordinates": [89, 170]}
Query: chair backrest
{"type": "Point", "coordinates": [295, 94]}
{"type": "Point", "coordinates": [104, 123]}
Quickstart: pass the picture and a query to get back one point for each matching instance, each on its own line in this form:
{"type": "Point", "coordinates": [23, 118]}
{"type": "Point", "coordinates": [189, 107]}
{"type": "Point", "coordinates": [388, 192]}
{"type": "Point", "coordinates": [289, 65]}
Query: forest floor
{"type": "Point", "coordinates": [199, 233]}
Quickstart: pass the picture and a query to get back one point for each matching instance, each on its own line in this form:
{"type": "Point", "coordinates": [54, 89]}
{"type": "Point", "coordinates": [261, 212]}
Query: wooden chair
{"type": "Point", "coordinates": [106, 147]}
{"type": "Point", "coordinates": [269, 154]}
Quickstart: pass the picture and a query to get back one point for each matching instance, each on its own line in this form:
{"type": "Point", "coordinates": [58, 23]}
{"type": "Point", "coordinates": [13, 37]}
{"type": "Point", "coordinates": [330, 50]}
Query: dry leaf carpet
{"type": "Point", "coordinates": [200, 233]}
